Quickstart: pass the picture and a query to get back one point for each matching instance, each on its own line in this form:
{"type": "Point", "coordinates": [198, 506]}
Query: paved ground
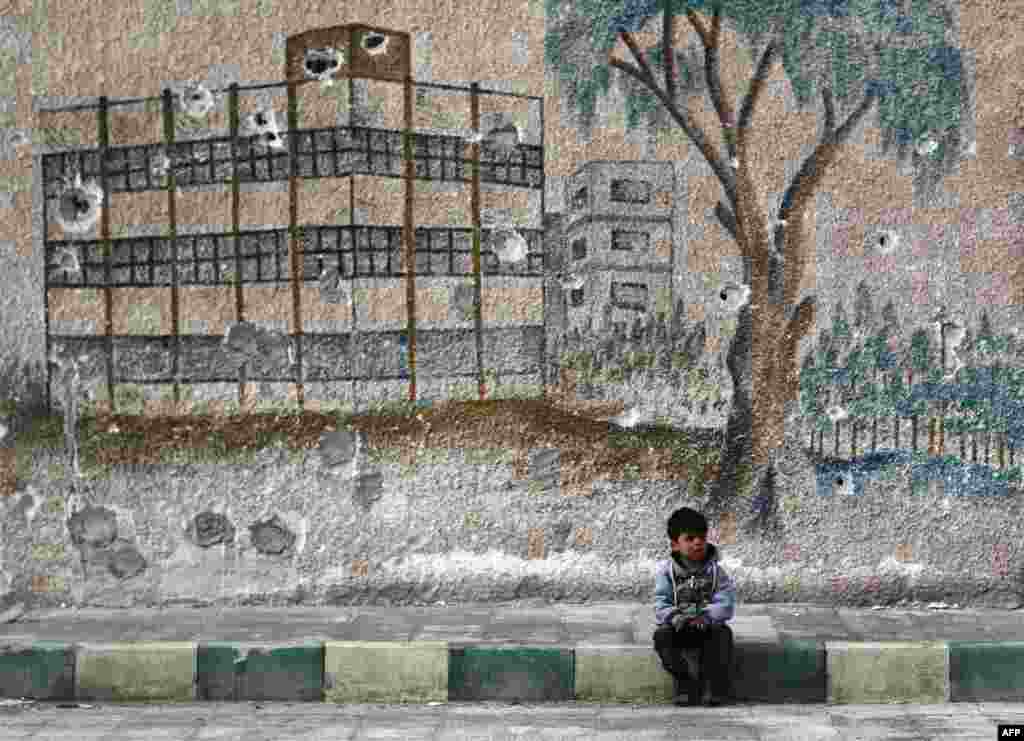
{"type": "Point", "coordinates": [462, 721]}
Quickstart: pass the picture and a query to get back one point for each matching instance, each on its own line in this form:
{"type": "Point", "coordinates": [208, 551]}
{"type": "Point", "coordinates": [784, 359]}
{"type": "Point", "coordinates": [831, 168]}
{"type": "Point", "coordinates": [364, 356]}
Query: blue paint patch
{"type": "Point", "coordinates": [959, 478]}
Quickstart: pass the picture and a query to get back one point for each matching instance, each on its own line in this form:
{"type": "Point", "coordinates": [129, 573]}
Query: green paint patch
{"type": "Point", "coordinates": [59, 137]}
{"type": "Point", "coordinates": [158, 18]}
{"type": "Point", "coordinates": [8, 70]}
{"type": "Point", "coordinates": [384, 455]}
{"type": "Point", "coordinates": [488, 456]}
{"type": "Point", "coordinates": [794, 671]}
{"type": "Point", "coordinates": [220, 8]}
{"type": "Point", "coordinates": [16, 183]}
{"type": "Point", "coordinates": [291, 674]}
{"type": "Point", "coordinates": [144, 319]}
{"type": "Point", "coordinates": [986, 671]}
{"type": "Point", "coordinates": [44, 671]}
{"type": "Point", "coordinates": [511, 674]}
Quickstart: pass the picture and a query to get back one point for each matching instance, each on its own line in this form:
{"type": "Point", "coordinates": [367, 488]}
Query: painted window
{"type": "Point", "coordinates": [630, 296]}
{"type": "Point", "coordinates": [580, 199]}
{"type": "Point", "coordinates": [626, 240]}
{"type": "Point", "coordinates": [579, 249]}
{"type": "Point", "coordinates": [631, 191]}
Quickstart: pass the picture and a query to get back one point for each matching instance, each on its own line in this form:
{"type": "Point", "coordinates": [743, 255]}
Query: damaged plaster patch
{"type": "Point", "coordinates": [271, 537]}
{"type": "Point", "coordinates": [125, 561]}
{"type": "Point", "coordinates": [94, 526]}
{"type": "Point", "coordinates": [210, 528]}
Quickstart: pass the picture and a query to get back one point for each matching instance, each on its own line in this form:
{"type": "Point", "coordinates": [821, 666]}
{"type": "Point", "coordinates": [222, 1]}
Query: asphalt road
{"type": "Point", "coordinates": [253, 721]}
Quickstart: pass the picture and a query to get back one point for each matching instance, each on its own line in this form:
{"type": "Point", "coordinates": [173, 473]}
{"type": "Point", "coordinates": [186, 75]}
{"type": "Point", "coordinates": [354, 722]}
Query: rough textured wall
{"type": "Point", "coordinates": [461, 526]}
{"type": "Point", "coordinates": [959, 245]}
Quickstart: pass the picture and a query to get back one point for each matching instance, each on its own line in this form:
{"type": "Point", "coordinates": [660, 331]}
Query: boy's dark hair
{"type": "Point", "coordinates": [686, 520]}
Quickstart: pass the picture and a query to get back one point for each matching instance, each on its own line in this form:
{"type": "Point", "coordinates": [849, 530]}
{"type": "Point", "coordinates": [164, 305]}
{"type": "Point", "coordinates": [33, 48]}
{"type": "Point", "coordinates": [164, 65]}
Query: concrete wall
{"type": "Point", "coordinates": [455, 526]}
{"type": "Point", "coordinates": [883, 540]}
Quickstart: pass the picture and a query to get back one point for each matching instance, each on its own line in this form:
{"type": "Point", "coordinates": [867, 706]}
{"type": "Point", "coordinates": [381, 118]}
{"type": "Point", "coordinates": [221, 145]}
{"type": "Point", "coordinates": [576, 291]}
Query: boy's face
{"type": "Point", "coordinates": [691, 546]}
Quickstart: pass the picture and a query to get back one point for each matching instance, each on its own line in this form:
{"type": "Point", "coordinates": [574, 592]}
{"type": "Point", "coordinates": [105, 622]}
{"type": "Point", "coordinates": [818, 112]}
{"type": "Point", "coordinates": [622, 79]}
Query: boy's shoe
{"type": "Point", "coordinates": [685, 693]}
{"type": "Point", "coordinates": [710, 699]}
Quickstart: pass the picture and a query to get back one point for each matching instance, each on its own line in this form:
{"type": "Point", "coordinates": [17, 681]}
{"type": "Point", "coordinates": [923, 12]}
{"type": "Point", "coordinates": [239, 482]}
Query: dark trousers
{"type": "Point", "coordinates": [713, 649]}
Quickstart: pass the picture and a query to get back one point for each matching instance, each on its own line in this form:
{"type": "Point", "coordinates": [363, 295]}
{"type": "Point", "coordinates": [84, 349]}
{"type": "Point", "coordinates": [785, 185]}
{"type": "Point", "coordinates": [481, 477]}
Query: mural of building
{"type": "Point", "coordinates": [617, 234]}
{"type": "Point", "coordinates": [376, 301]}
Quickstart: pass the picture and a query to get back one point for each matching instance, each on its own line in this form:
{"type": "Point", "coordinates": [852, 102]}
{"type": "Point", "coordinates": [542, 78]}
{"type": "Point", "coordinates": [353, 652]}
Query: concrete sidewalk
{"type": "Point", "coordinates": [522, 652]}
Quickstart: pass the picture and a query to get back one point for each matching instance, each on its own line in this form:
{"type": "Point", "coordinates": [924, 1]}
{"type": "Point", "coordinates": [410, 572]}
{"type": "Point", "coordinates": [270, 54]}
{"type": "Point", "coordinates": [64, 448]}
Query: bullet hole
{"type": "Point", "coordinates": [270, 137]}
{"type": "Point", "coordinates": [839, 480]}
{"type": "Point", "coordinates": [271, 536]}
{"type": "Point", "coordinates": [74, 204]}
{"type": "Point", "coordinates": [339, 447]}
{"type": "Point", "coordinates": [374, 43]}
{"type": "Point", "coordinates": [126, 562]}
{"type": "Point", "coordinates": [210, 528]}
{"type": "Point", "coordinates": [881, 241]}
{"type": "Point", "coordinates": [261, 119]}
{"type": "Point", "coordinates": [320, 61]}
{"type": "Point", "coordinates": [94, 526]}
{"type": "Point", "coordinates": [723, 295]}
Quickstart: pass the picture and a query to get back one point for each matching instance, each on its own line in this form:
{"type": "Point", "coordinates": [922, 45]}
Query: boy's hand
{"type": "Point", "coordinates": [698, 623]}
{"type": "Point", "coordinates": [679, 622]}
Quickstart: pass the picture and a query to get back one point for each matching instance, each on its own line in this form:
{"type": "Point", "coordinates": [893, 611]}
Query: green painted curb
{"type": "Point", "coordinates": [43, 671]}
{"type": "Point", "coordinates": [512, 673]}
{"type": "Point", "coordinates": [787, 671]}
{"type": "Point", "coordinates": [227, 670]}
{"type": "Point", "coordinates": [986, 671]}
{"type": "Point", "coordinates": [432, 671]}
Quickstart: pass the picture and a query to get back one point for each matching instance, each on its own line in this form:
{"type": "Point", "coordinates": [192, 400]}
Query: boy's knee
{"type": "Point", "coordinates": [664, 633]}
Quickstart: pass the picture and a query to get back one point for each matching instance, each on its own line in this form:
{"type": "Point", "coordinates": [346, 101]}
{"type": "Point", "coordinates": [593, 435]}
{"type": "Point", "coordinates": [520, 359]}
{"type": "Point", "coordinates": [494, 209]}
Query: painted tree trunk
{"type": "Point", "coordinates": [763, 381]}
{"type": "Point", "coordinates": [762, 359]}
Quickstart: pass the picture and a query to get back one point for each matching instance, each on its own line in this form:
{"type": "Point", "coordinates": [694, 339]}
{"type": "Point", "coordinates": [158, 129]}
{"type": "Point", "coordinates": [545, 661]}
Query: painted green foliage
{"type": "Point", "coordinates": [918, 80]}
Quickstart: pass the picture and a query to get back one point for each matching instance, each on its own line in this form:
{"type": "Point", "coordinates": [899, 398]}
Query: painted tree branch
{"type": "Point", "coordinates": [668, 27]}
{"type": "Point", "coordinates": [727, 219]}
{"type": "Point", "coordinates": [692, 130]}
{"type": "Point", "coordinates": [638, 55]}
{"type": "Point", "coordinates": [802, 190]}
{"type": "Point", "coordinates": [830, 111]}
{"type": "Point", "coordinates": [698, 27]}
{"type": "Point", "coordinates": [711, 74]}
{"type": "Point", "coordinates": [756, 85]}
{"type": "Point", "coordinates": [800, 322]}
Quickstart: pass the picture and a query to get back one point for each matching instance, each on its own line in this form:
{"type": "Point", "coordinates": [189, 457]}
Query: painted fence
{"type": "Point", "coordinates": [117, 278]}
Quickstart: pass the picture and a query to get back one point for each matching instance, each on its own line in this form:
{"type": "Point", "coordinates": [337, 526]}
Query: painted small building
{"type": "Point", "coordinates": [617, 234]}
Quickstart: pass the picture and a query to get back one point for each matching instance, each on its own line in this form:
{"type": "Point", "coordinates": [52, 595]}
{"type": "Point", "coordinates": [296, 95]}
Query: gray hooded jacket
{"type": "Point", "coordinates": [680, 584]}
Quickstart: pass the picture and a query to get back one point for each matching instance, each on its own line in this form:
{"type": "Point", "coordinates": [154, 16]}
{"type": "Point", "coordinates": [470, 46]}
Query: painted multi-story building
{"type": "Point", "coordinates": [617, 234]}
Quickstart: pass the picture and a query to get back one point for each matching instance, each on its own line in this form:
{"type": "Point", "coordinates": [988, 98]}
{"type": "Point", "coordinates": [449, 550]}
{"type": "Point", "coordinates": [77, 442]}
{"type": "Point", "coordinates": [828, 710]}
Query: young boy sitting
{"type": "Point", "coordinates": [693, 600]}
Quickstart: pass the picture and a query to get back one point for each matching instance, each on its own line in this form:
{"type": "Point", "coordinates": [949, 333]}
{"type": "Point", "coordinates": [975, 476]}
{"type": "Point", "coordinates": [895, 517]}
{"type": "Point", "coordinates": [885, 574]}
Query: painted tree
{"type": "Point", "coordinates": [847, 54]}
